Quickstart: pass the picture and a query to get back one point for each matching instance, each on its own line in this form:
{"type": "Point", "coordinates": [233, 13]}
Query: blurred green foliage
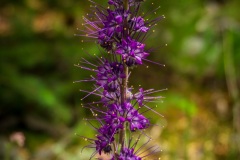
{"type": "Point", "coordinates": [37, 52]}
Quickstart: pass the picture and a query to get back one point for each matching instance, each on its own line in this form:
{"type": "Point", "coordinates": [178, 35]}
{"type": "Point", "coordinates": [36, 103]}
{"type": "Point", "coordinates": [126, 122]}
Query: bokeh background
{"type": "Point", "coordinates": [40, 107]}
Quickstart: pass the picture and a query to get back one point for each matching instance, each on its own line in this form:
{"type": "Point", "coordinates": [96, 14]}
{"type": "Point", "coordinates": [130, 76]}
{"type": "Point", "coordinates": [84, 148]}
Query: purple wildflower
{"type": "Point", "coordinates": [143, 96]}
{"type": "Point", "coordinates": [114, 117]}
{"type": "Point", "coordinates": [139, 97]}
{"type": "Point", "coordinates": [110, 97]}
{"type": "Point", "coordinates": [128, 154]}
{"type": "Point", "coordinates": [119, 3]}
{"type": "Point", "coordinates": [135, 119]}
{"type": "Point", "coordinates": [105, 39]}
{"type": "Point", "coordinates": [121, 31]}
{"type": "Point", "coordinates": [114, 21]}
{"type": "Point", "coordinates": [104, 139]}
{"type": "Point", "coordinates": [138, 24]}
{"type": "Point", "coordinates": [131, 51]}
{"type": "Point", "coordinates": [112, 27]}
{"type": "Point", "coordinates": [109, 74]}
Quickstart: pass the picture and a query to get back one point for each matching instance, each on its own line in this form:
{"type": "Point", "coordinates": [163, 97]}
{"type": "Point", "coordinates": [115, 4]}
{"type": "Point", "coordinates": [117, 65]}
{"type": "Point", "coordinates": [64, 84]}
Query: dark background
{"type": "Point", "coordinates": [39, 102]}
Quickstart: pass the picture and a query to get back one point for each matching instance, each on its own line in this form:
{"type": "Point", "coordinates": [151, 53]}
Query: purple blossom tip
{"type": "Point", "coordinates": [131, 51]}
{"type": "Point", "coordinates": [128, 154]}
{"type": "Point", "coordinates": [138, 24]}
{"type": "Point", "coordinates": [104, 139]}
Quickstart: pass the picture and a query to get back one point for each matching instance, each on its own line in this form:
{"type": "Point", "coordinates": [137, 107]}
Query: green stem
{"type": "Point", "coordinates": [124, 82]}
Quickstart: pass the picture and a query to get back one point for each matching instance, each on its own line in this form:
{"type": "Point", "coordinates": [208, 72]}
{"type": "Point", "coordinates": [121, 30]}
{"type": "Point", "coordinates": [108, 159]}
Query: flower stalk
{"type": "Point", "coordinates": [121, 32]}
{"type": "Point", "coordinates": [125, 81]}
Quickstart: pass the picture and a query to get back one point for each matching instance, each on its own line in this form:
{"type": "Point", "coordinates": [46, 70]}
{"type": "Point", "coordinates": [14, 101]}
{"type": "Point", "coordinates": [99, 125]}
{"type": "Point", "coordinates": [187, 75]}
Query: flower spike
{"type": "Point", "coordinates": [120, 30]}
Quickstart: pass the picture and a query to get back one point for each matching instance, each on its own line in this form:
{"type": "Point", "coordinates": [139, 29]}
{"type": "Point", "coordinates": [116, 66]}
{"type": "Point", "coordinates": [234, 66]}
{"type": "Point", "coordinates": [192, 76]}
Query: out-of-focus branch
{"type": "Point", "coordinates": [231, 80]}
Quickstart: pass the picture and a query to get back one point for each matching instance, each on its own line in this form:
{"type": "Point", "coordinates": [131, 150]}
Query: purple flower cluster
{"type": "Point", "coordinates": [132, 52]}
{"type": "Point", "coordinates": [104, 139]}
{"type": "Point", "coordinates": [108, 75]}
{"type": "Point", "coordinates": [117, 115]}
{"type": "Point", "coordinates": [127, 154]}
{"type": "Point", "coordinates": [121, 31]}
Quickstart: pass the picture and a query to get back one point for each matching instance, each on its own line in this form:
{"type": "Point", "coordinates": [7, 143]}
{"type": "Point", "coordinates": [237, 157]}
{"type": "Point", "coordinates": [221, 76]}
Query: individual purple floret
{"type": "Point", "coordinates": [116, 2]}
{"type": "Point", "coordinates": [119, 3]}
{"type": "Point", "coordinates": [138, 24]}
{"type": "Point", "coordinates": [105, 39]}
{"type": "Point", "coordinates": [117, 115]}
{"type": "Point", "coordinates": [112, 27]}
{"type": "Point", "coordinates": [143, 96]}
{"type": "Point", "coordinates": [139, 97]}
{"type": "Point", "coordinates": [114, 117]}
{"type": "Point", "coordinates": [104, 138]}
{"type": "Point", "coordinates": [128, 154]}
{"type": "Point", "coordinates": [114, 21]}
{"type": "Point", "coordinates": [135, 119]}
{"type": "Point", "coordinates": [110, 97]}
{"type": "Point", "coordinates": [109, 74]}
{"type": "Point", "coordinates": [131, 51]}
